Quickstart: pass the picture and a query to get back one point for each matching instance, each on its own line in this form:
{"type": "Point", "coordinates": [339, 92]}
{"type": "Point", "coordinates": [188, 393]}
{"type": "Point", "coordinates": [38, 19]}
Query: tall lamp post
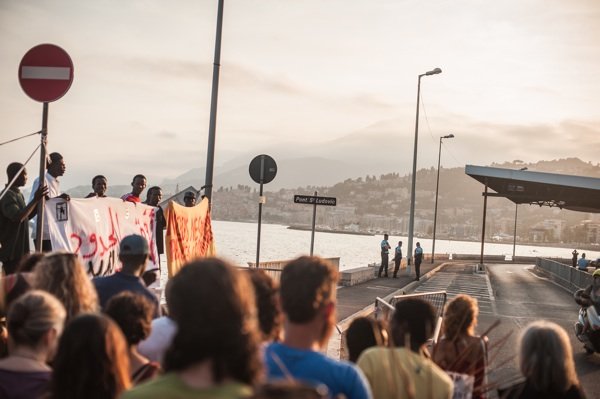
{"type": "Point", "coordinates": [515, 232]}
{"type": "Point", "coordinates": [437, 187]}
{"type": "Point", "coordinates": [411, 220]}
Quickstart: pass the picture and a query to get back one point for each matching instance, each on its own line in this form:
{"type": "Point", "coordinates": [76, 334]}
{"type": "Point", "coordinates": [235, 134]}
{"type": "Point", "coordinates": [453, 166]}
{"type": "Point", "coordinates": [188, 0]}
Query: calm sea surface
{"type": "Point", "coordinates": [236, 242]}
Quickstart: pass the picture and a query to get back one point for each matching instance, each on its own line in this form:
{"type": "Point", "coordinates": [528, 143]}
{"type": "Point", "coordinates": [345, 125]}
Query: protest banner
{"type": "Point", "coordinates": [92, 228]}
{"type": "Point", "coordinates": [189, 234]}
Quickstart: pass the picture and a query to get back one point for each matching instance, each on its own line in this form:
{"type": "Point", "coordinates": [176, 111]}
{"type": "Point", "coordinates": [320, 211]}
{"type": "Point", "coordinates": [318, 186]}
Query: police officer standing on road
{"type": "Point", "coordinates": [385, 250]}
{"type": "Point", "coordinates": [418, 260]}
{"type": "Point", "coordinates": [397, 258]}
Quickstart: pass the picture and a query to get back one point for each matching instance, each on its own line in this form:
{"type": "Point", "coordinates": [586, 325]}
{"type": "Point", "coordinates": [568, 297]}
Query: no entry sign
{"type": "Point", "coordinates": [46, 73]}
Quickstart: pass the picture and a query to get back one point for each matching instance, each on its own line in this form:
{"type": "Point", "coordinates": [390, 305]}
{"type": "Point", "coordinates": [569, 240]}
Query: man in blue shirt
{"type": "Point", "coordinates": [385, 250]}
{"type": "Point", "coordinates": [307, 292]}
{"type": "Point", "coordinates": [397, 258]}
{"type": "Point", "coordinates": [133, 254]}
{"type": "Point", "coordinates": [418, 260]}
{"type": "Point", "coordinates": [582, 263]}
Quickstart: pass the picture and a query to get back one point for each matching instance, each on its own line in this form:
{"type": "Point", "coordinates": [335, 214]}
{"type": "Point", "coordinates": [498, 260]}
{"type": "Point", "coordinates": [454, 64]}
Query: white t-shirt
{"type": "Point", "coordinates": [53, 191]}
{"type": "Point", "coordinates": [155, 346]}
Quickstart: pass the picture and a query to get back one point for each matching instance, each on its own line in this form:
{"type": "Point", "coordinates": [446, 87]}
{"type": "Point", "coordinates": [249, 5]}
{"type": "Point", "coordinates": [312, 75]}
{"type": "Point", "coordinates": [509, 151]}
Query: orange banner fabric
{"type": "Point", "coordinates": [189, 234]}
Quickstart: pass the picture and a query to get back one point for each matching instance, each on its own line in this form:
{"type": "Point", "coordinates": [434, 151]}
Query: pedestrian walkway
{"type": "Point", "coordinates": [355, 298]}
{"type": "Point", "coordinates": [460, 279]}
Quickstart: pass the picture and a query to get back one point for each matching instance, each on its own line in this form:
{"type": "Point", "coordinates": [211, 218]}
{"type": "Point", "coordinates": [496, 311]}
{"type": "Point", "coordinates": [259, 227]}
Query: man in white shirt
{"type": "Point", "coordinates": [55, 167]}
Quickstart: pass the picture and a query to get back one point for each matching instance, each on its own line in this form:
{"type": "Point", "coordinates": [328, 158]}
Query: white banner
{"type": "Point", "coordinates": [92, 228]}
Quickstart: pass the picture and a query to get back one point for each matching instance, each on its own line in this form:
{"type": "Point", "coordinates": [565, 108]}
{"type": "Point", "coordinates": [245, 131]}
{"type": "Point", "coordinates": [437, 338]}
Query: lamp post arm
{"type": "Point", "coordinates": [437, 187]}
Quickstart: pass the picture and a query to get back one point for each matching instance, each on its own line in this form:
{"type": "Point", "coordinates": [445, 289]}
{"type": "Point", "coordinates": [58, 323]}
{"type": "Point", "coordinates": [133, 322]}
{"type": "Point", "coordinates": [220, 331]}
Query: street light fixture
{"type": "Point", "coordinates": [515, 232]}
{"type": "Point", "coordinates": [437, 186]}
{"type": "Point", "coordinates": [411, 220]}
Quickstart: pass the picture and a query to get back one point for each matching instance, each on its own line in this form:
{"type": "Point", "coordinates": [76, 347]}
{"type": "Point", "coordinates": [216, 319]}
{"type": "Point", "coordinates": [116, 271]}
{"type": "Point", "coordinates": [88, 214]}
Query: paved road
{"type": "Point", "coordinates": [515, 295]}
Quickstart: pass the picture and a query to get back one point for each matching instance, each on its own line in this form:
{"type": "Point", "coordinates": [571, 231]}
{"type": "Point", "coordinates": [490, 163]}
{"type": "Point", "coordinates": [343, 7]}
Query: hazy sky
{"type": "Point", "coordinates": [521, 80]}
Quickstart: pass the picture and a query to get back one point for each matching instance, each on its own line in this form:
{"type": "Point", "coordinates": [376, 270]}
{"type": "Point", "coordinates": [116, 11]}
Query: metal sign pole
{"type": "Point", "coordinates": [260, 204]}
{"type": "Point", "coordinates": [42, 180]}
{"type": "Point", "coordinates": [314, 221]}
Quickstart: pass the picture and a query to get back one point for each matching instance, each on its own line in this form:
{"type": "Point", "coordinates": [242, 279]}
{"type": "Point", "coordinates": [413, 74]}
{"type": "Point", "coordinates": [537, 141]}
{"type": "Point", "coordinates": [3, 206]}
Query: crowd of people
{"type": "Point", "coordinates": [227, 332]}
{"type": "Point", "coordinates": [231, 333]}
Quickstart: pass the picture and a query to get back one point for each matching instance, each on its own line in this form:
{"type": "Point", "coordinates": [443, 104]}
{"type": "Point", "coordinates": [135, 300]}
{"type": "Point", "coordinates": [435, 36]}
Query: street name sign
{"type": "Point", "coordinates": [314, 200]}
{"type": "Point", "coordinates": [46, 73]}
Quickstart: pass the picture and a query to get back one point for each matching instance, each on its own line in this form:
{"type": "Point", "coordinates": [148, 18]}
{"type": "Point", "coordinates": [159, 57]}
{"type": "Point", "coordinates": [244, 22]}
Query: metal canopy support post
{"type": "Point", "coordinates": [485, 195]}
{"type": "Point", "coordinates": [515, 233]}
{"type": "Point", "coordinates": [210, 153]}
{"type": "Point", "coordinates": [42, 180]}
{"type": "Point", "coordinates": [314, 223]}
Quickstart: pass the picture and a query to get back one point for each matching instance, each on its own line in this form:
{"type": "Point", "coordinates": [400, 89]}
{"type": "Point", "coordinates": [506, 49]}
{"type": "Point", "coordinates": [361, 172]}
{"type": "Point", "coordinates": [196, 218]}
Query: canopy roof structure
{"type": "Point", "coordinates": [576, 193]}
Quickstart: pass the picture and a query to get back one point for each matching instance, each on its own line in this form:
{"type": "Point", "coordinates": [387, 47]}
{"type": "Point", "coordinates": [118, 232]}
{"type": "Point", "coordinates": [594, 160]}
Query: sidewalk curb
{"type": "Point", "coordinates": [342, 325]}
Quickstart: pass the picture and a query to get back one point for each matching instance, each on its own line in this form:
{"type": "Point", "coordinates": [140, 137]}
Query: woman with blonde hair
{"type": "Point", "coordinates": [35, 321]}
{"type": "Point", "coordinates": [546, 361]}
{"type": "Point", "coordinates": [460, 350]}
{"type": "Point", "coordinates": [63, 275]}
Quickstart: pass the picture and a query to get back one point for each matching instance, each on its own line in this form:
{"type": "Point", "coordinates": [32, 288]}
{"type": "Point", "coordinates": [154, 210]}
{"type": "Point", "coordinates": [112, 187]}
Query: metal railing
{"type": "Point", "coordinates": [566, 276]}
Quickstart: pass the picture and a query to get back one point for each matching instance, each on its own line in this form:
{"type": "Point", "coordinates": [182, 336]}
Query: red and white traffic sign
{"type": "Point", "coordinates": [46, 73]}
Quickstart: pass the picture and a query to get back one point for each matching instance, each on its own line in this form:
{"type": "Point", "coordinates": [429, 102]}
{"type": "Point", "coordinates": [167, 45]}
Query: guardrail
{"type": "Point", "coordinates": [564, 275]}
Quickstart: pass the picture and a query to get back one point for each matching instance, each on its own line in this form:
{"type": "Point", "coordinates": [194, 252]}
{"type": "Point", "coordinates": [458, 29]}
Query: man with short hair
{"type": "Point", "coordinates": [307, 292]}
{"type": "Point", "coordinates": [582, 263]}
{"type": "Point", "coordinates": [99, 185]}
{"type": "Point", "coordinates": [418, 260]}
{"type": "Point", "coordinates": [138, 184]}
{"type": "Point", "coordinates": [385, 250]}
{"type": "Point", "coordinates": [14, 218]}
{"type": "Point", "coordinates": [397, 258]}
{"type": "Point", "coordinates": [153, 197]}
{"type": "Point", "coordinates": [189, 199]}
{"type": "Point", "coordinates": [404, 371]}
{"type": "Point", "coordinates": [133, 254]}
{"type": "Point", "coordinates": [55, 168]}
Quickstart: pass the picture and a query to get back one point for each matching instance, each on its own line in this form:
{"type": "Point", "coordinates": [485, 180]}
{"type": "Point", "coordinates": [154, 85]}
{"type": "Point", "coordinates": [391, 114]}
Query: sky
{"type": "Point", "coordinates": [335, 78]}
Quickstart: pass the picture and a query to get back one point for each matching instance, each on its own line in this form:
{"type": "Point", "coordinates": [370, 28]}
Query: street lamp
{"type": "Point", "coordinates": [411, 220]}
{"type": "Point", "coordinates": [437, 186]}
{"type": "Point", "coordinates": [515, 232]}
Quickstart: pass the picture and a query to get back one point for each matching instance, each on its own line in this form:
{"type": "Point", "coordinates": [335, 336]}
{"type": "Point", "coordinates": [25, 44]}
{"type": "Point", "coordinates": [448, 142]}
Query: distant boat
{"type": "Point", "coordinates": [330, 230]}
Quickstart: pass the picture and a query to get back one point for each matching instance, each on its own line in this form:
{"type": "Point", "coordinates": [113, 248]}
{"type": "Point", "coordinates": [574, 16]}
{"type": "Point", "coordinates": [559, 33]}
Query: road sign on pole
{"type": "Point", "coordinates": [263, 170]}
{"type": "Point", "coordinates": [46, 73]}
{"type": "Point", "coordinates": [314, 200]}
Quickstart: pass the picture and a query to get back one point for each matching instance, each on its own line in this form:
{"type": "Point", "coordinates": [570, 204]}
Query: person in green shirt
{"type": "Point", "coordinates": [215, 352]}
{"type": "Point", "coordinates": [14, 218]}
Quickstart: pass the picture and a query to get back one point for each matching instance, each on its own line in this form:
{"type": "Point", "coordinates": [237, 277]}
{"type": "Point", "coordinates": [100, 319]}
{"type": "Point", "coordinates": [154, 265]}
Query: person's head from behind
{"type": "Point", "coordinates": [29, 262]}
{"type": "Point", "coordinates": [545, 357]}
{"type": "Point", "coordinates": [266, 294]}
{"type": "Point", "coordinates": [364, 333]}
{"type": "Point", "coordinates": [460, 317]}
{"type": "Point", "coordinates": [138, 184]}
{"type": "Point", "coordinates": [133, 254]}
{"type": "Point", "coordinates": [385, 236]}
{"type": "Point", "coordinates": [99, 185]}
{"type": "Point", "coordinates": [154, 195]}
{"type": "Point", "coordinates": [133, 314]}
{"type": "Point", "coordinates": [412, 323]}
{"type": "Point", "coordinates": [63, 275]}
{"type": "Point", "coordinates": [583, 255]}
{"type": "Point", "coordinates": [12, 170]}
{"type": "Point", "coordinates": [92, 360]}
{"type": "Point", "coordinates": [34, 322]}
{"type": "Point", "coordinates": [56, 164]}
{"type": "Point", "coordinates": [189, 199]}
{"type": "Point", "coordinates": [213, 306]}
{"type": "Point", "coordinates": [307, 290]}
{"type": "Point", "coordinates": [596, 279]}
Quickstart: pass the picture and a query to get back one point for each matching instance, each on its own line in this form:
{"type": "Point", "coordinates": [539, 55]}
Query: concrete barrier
{"type": "Point", "coordinates": [359, 275]}
{"type": "Point", "coordinates": [274, 268]}
{"type": "Point", "coordinates": [564, 275]}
